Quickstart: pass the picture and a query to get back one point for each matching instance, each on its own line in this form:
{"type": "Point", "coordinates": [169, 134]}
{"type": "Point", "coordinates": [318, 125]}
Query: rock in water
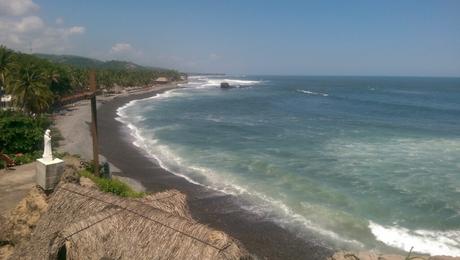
{"type": "Point", "coordinates": [225, 85]}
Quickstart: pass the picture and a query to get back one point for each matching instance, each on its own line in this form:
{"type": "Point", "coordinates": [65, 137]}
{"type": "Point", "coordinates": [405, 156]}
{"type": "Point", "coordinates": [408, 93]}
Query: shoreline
{"type": "Point", "coordinates": [221, 211]}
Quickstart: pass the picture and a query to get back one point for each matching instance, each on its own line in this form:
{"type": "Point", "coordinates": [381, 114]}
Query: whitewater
{"type": "Point", "coordinates": [363, 162]}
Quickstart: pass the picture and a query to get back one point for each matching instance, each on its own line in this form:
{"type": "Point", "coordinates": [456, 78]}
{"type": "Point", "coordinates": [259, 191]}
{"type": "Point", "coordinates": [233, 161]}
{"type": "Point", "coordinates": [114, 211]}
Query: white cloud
{"type": "Point", "coordinates": [76, 30]}
{"type": "Point", "coordinates": [29, 23]}
{"type": "Point", "coordinates": [24, 32]}
{"type": "Point", "coordinates": [59, 21]}
{"type": "Point", "coordinates": [17, 7]}
{"type": "Point", "coordinates": [121, 48]}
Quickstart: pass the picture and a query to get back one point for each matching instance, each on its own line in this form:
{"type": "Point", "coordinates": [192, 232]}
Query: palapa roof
{"type": "Point", "coordinates": [162, 79]}
{"type": "Point", "coordinates": [84, 223]}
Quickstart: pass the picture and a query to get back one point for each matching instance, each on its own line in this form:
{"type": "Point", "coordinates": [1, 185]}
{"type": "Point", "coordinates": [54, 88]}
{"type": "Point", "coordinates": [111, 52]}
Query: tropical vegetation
{"type": "Point", "coordinates": [37, 82]}
{"type": "Point", "coordinates": [21, 135]}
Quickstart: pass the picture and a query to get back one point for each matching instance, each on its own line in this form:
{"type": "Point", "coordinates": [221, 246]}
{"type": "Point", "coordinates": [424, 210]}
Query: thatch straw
{"type": "Point", "coordinates": [90, 224]}
{"type": "Point", "coordinates": [171, 201]}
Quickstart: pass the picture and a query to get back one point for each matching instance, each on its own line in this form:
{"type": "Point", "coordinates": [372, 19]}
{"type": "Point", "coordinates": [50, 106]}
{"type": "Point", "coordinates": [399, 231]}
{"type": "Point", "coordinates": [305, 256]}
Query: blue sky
{"type": "Point", "coordinates": [248, 37]}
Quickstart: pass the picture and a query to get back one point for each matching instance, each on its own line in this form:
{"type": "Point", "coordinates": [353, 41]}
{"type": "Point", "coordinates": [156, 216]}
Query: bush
{"type": "Point", "coordinates": [104, 170]}
{"type": "Point", "coordinates": [114, 186]}
{"type": "Point", "coordinates": [21, 133]}
{"type": "Point", "coordinates": [26, 158]}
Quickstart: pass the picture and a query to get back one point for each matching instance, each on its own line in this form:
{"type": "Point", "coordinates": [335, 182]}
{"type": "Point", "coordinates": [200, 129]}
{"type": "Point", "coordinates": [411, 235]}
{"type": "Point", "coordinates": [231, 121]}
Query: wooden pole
{"type": "Point", "coordinates": [92, 84]}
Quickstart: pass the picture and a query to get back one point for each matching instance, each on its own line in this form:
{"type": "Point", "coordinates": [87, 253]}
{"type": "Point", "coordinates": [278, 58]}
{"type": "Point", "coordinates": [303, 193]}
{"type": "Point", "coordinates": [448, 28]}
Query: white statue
{"type": "Point", "coordinates": [47, 152]}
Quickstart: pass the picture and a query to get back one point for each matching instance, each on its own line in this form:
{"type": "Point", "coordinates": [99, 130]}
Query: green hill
{"type": "Point", "coordinates": [83, 62]}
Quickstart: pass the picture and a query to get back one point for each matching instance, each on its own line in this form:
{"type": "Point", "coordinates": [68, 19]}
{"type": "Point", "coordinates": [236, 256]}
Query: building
{"type": "Point", "coordinates": [6, 101]}
{"type": "Point", "coordinates": [162, 80]}
{"type": "Point", "coordinates": [85, 223]}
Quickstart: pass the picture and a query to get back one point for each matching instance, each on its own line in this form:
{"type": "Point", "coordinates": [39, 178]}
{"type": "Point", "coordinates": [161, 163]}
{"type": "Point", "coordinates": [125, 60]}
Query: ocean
{"type": "Point", "coordinates": [362, 162]}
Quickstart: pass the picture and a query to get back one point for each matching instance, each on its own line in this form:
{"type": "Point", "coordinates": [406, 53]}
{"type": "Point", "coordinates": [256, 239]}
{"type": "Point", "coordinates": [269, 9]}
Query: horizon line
{"type": "Point", "coordinates": [318, 75]}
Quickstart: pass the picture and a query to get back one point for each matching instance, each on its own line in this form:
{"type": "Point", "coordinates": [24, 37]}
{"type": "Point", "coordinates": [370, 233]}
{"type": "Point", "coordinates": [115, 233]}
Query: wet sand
{"type": "Point", "coordinates": [263, 238]}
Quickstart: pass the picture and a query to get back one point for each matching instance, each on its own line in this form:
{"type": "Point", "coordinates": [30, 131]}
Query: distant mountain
{"type": "Point", "coordinates": [83, 62]}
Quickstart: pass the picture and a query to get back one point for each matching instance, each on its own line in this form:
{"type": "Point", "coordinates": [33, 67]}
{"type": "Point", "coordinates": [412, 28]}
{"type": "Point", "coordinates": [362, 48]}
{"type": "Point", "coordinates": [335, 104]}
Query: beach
{"type": "Point", "coordinates": [317, 165]}
{"type": "Point", "coordinates": [287, 192]}
{"type": "Point", "coordinates": [263, 238]}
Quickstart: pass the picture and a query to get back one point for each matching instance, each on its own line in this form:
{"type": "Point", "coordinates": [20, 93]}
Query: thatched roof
{"type": "Point", "coordinates": [162, 80]}
{"type": "Point", "coordinates": [84, 223]}
{"type": "Point", "coordinates": [117, 89]}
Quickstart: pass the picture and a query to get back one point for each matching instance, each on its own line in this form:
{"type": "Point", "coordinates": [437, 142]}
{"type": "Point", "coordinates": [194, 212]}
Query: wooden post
{"type": "Point", "coordinates": [92, 84]}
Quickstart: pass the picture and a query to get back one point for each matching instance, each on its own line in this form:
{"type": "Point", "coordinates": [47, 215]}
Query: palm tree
{"type": "Point", "coordinates": [58, 81]}
{"type": "Point", "coordinates": [6, 60]}
{"type": "Point", "coordinates": [30, 89]}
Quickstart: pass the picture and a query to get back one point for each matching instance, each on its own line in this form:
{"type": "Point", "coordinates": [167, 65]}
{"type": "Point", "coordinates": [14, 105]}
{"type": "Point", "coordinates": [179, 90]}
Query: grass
{"type": "Point", "coordinates": [114, 186]}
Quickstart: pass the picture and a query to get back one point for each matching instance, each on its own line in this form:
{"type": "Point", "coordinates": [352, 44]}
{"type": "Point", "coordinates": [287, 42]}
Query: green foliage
{"type": "Point", "coordinates": [39, 81]}
{"type": "Point", "coordinates": [104, 168]}
{"type": "Point", "coordinates": [6, 61]}
{"type": "Point", "coordinates": [89, 63]}
{"type": "Point", "coordinates": [20, 159]}
{"type": "Point", "coordinates": [21, 133]}
{"type": "Point", "coordinates": [30, 88]}
{"type": "Point", "coordinates": [110, 73]}
{"type": "Point", "coordinates": [114, 186]}
{"type": "Point", "coordinates": [76, 61]}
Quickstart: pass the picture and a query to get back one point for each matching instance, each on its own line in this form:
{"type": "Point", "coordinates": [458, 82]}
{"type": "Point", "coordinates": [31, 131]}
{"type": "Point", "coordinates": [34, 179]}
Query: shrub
{"type": "Point", "coordinates": [104, 168]}
{"type": "Point", "coordinates": [21, 133]}
{"type": "Point", "coordinates": [26, 158]}
{"type": "Point", "coordinates": [114, 186]}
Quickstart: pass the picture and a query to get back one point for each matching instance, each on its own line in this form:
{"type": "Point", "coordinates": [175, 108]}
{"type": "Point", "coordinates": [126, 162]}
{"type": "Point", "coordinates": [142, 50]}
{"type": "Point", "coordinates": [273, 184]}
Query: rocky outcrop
{"type": "Point", "coordinates": [22, 220]}
{"type": "Point", "coordinates": [225, 85]}
{"type": "Point", "coordinates": [70, 175]}
{"type": "Point", "coordinates": [17, 227]}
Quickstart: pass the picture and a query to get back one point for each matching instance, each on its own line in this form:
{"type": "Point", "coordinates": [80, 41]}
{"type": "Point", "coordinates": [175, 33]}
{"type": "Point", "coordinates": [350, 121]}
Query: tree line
{"type": "Point", "coordinates": [36, 83]}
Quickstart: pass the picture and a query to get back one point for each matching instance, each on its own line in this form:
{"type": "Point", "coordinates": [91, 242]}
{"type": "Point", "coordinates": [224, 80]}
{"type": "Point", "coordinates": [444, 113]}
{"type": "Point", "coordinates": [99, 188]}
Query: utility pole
{"type": "Point", "coordinates": [93, 87]}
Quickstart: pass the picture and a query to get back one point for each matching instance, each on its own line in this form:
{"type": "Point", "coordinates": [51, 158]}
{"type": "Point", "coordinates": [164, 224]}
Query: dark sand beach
{"type": "Point", "coordinates": [262, 238]}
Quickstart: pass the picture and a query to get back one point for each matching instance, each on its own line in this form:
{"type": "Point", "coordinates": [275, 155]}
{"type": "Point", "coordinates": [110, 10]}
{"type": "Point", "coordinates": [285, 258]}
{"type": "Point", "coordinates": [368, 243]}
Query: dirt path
{"type": "Point", "coordinates": [14, 186]}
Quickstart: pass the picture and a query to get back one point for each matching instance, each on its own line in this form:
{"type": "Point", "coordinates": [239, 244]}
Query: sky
{"type": "Point", "coordinates": [389, 38]}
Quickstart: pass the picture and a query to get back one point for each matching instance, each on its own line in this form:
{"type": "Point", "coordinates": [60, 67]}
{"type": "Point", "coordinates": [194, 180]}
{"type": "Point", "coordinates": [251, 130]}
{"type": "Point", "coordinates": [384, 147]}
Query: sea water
{"type": "Point", "coordinates": [363, 162]}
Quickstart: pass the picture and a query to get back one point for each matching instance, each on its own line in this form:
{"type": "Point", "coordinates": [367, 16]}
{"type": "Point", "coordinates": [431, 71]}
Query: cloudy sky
{"type": "Point", "coordinates": [413, 37]}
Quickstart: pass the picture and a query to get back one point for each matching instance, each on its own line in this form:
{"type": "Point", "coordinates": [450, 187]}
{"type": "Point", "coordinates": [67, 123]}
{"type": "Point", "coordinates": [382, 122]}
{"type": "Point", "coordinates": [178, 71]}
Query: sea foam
{"type": "Point", "coordinates": [261, 204]}
{"type": "Point", "coordinates": [312, 93]}
{"type": "Point", "coordinates": [275, 207]}
{"type": "Point", "coordinates": [422, 241]}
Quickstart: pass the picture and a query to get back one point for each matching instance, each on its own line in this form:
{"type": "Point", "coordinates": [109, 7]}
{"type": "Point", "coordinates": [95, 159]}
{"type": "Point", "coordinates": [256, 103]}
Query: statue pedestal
{"type": "Point", "coordinates": [48, 173]}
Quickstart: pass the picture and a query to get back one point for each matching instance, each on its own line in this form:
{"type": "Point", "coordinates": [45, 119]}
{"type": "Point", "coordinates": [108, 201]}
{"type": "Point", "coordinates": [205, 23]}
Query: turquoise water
{"type": "Point", "coordinates": [363, 162]}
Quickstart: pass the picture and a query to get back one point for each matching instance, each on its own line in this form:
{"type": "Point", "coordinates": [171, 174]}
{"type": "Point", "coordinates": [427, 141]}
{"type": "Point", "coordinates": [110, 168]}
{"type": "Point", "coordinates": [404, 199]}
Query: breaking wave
{"type": "Point", "coordinates": [348, 156]}
{"type": "Point", "coordinates": [312, 93]}
{"type": "Point", "coordinates": [422, 241]}
{"type": "Point", "coordinates": [206, 82]}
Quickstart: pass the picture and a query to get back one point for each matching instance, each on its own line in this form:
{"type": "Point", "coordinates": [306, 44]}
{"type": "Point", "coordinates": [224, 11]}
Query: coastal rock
{"type": "Point", "coordinates": [70, 175]}
{"type": "Point", "coordinates": [73, 161]}
{"type": "Point", "coordinates": [22, 220]}
{"type": "Point", "coordinates": [225, 85]}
